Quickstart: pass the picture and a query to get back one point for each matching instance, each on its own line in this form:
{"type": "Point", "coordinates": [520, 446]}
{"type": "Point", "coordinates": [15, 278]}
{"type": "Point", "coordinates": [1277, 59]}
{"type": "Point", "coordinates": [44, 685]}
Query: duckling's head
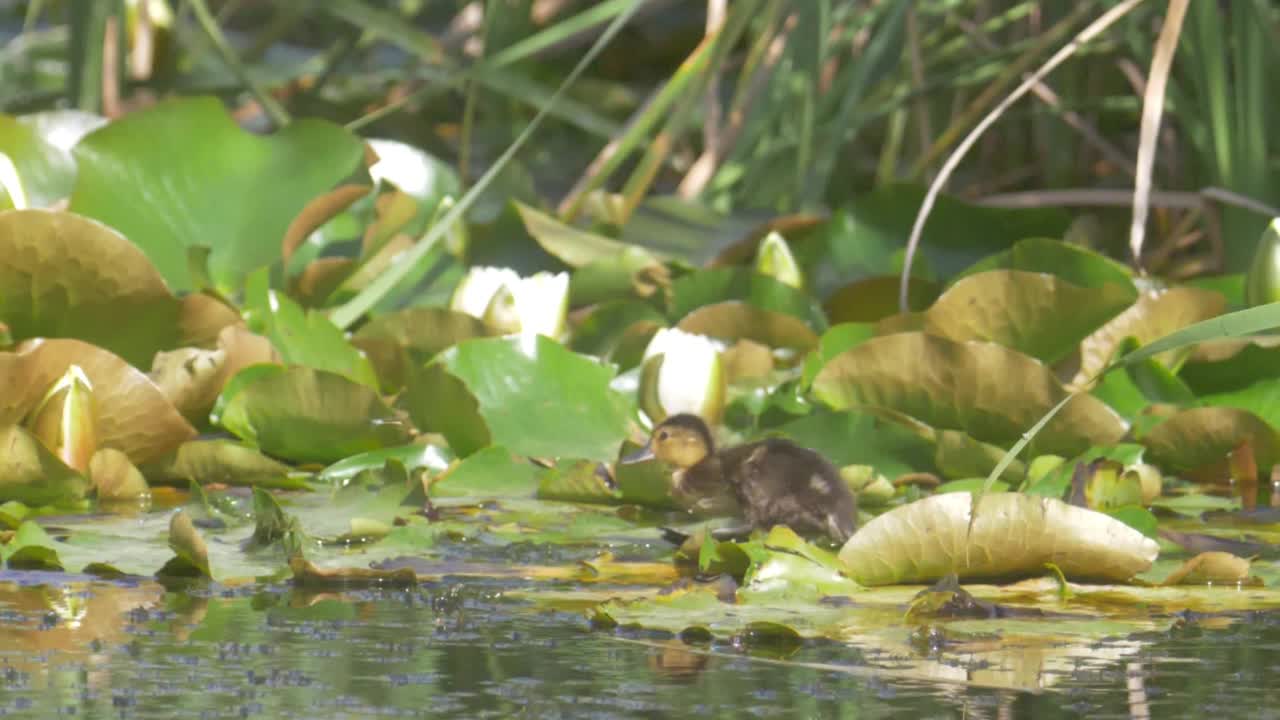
{"type": "Point", "coordinates": [682, 441]}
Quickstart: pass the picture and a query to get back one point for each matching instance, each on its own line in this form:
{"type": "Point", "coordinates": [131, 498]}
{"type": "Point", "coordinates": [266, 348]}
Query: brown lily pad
{"type": "Point", "coordinates": [990, 392]}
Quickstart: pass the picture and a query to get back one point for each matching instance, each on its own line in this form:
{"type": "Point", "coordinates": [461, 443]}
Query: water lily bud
{"type": "Point", "coordinates": [774, 259]}
{"type": "Point", "coordinates": [682, 373]}
{"type": "Point", "coordinates": [1262, 285]}
{"type": "Point", "coordinates": [65, 420]}
{"type": "Point", "coordinates": [501, 313]}
{"type": "Point", "coordinates": [1151, 479]}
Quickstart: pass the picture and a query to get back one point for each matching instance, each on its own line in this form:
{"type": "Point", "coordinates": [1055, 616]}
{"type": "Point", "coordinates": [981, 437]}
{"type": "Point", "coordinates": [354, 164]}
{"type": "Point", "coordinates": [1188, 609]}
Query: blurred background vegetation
{"type": "Point", "coordinates": [746, 106]}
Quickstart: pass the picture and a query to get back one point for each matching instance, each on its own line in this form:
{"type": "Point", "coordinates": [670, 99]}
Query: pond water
{"type": "Point", "coordinates": [74, 647]}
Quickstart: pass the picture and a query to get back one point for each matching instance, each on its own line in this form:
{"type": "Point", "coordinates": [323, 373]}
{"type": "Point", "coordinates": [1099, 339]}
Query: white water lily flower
{"type": "Point", "coordinates": [542, 303]}
{"type": "Point", "coordinates": [474, 294]}
{"type": "Point", "coordinates": [536, 305]}
{"type": "Point", "coordinates": [683, 373]}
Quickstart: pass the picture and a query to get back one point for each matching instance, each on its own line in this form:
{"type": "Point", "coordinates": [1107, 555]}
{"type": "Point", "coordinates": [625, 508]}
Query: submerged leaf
{"type": "Point", "coordinates": [1012, 535]}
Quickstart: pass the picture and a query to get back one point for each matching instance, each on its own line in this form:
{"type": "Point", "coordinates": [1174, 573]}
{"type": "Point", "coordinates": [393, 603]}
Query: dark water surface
{"type": "Point", "coordinates": [467, 650]}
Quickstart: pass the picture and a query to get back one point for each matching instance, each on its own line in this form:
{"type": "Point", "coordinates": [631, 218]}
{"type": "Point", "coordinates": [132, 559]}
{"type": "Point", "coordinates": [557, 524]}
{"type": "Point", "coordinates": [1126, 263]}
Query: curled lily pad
{"type": "Point", "coordinates": [1012, 535]}
{"type": "Point", "coordinates": [133, 415]}
{"type": "Point", "coordinates": [1211, 568]}
{"type": "Point", "coordinates": [233, 191]}
{"type": "Point", "coordinates": [988, 391]}
{"type": "Point", "coordinates": [1038, 314]}
{"type": "Point", "coordinates": [1199, 436]}
{"type": "Point", "coordinates": [30, 474]}
{"type": "Point", "coordinates": [317, 212]}
{"type": "Point", "coordinates": [192, 554]}
{"type": "Point", "coordinates": [311, 415]}
{"type": "Point", "coordinates": [528, 394]}
{"type": "Point", "coordinates": [115, 478]}
{"type": "Point", "coordinates": [222, 461]}
{"type": "Point", "coordinates": [64, 275]}
{"type": "Point", "coordinates": [1154, 315]}
{"type": "Point", "coordinates": [738, 320]}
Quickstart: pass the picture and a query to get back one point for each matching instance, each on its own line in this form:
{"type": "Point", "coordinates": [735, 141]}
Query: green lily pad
{"type": "Point", "coordinates": [30, 549]}
{"type": "Point", "coordinates": [530, 395]}
{"type": "Point", "coordinates": [856, 437]}
{"type": "Point", "coordinates": [1226, 366]}
{"type": "Point", "coordinates": [1007, 535]}
{"type": "Point", "coordinates": [181, 174]}
{"type": "Point", "coordinates": [396, 341]}
{"type": "Point", "coordinates": [305, 337]}
{"type": "Point", "coordinates": [573, 246]}
{"type": "Point", "coordinates": [708, 287]}
{"type": "Point", "coordinates": [1038, 314]}
{"type": "Point", "coordinates": [412, 457]}
{"type": "Point", "coordinates": [32, 475]}
{"type": "Point", "coordinates": [873, 299]}
{"type": "Point", "coordinates": [45, 170]}
{"type": "Point", "coordinates": [492, 472]}
{"type": "Point", "coordinates": [311, 415]}
{"type": "Point", "coordinates": [988, 391]}
{"type": "Point", "coordinates": [1075, 264]}
{"type": "Point", "coordinates": [1199, 436]}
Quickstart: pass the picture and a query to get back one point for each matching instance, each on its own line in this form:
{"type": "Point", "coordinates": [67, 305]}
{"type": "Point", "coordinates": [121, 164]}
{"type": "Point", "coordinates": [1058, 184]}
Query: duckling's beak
{"type": "Point", "coordinates": [644, 453]}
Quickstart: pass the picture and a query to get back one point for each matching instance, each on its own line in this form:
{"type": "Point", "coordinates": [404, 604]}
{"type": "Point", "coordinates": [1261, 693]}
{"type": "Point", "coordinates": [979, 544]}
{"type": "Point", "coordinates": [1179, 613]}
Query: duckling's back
{"type": "Point", "coordinates": [780, 483]}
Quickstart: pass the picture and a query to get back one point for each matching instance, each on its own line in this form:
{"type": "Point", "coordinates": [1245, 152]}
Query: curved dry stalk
{"type": "Point", "coordinates": [1152, 111]}
{"type": "Point", "coordinates": [1094, 29]}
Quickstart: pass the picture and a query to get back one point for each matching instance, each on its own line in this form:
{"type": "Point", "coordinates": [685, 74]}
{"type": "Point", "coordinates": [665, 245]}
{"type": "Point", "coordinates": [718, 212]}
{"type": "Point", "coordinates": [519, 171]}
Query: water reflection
{"type": "Point", "coordinates": [94, 649]}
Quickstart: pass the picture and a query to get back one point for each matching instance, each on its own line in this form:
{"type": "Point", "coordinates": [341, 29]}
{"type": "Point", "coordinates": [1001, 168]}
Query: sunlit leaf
{"type": "Point", "coordinates": [532, 396]}
{"type": "Point", "coordinates": [1011, 535]}
{"type": "Point", "coordinates": [232, 191]}
{"type": "Point", "coordinates": [64, 275]}
{"type": "Point", "coordinates": [988, 391]}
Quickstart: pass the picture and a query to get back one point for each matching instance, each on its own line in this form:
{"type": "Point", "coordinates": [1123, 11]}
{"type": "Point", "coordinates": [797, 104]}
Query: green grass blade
{"type": "Point", "coordinates": [346, 315]}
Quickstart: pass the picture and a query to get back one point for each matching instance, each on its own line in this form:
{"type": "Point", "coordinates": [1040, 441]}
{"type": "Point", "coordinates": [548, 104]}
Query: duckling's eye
{"type": "Point", "coordinates": [663, 434]}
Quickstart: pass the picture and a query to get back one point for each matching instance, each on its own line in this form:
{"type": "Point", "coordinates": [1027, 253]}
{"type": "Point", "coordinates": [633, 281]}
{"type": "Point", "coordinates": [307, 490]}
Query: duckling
{"type": "Point", "coordinates": [774, 481]}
